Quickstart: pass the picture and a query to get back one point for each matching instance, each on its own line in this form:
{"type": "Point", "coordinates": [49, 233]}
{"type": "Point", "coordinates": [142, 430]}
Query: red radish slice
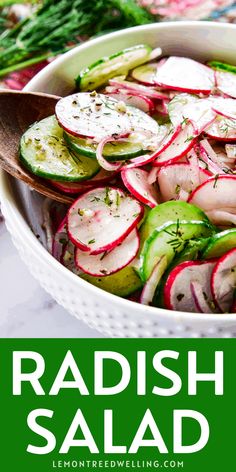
{"type": "Point", "coordinates": [199, 299]}
{"type": "Point", "coordinates": [101, 178]}
{"type": "Point", "coordinates": [176, 177]}
{"type": "Point", "coordinates": [108, 166]}
{"type": "Point", "coordinates": [225, 107]}
{"type": "Point", "coordinates": [166, 134]}
{"type": "Point", "coordinates": [222, 129]}
{"type": "Point", "coordinates": [223, 281]}
{"type": "Point", "coordinates": [109, 262]}
{"type": "Point", "coordinates": [136, 181]}
{"type": "Point", "coordinates": [101, 219]}
{"type": "Point", "coordinates": [177, 292]}
{"type": "Point", "coordinates": [146, 74]}
{"type": "Point", "coordinates": [215, 194]}
{"type": "Point", "coordinates": [222, 217]}
{"type": "Point", "coordinates": [181, 73]}
{"type": "Point", "coordinates": [71, 188]}
{"type": "Point", "coordinates": [135, 100]}
{"type": "Point", "coordinates": [149, 289]}
{"type": "Point", "coordinates": [86, 114]}
{"type": "Point", "coordinates": [226, 83]}
{"type": "Point", "coordinates": [189, 107]}
{"type": "Point", "coordinates": [141, 122]}
{"type": "Point", "coordinates": [139, 89]}
{"type": "Point", "coordinates": [60, 240]}
{"type": "Point", "coordinates": [179, 147]}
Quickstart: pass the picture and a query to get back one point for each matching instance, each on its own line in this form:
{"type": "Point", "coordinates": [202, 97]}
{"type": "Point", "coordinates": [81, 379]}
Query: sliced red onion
{"type": "Point", "coordinates": [139, 89]}
{"type": "Point", "coordinates": [210, 165]}
{"type": "Point", "coordinates": [194, 168]}
{"type": "Point", "coordinates": [149, 289]}
{"type": "Point", "coordinates": [112, 167]}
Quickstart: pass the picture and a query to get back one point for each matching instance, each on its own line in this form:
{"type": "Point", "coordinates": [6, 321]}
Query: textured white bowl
{"type": "Point", "coordinates": [110, 314]}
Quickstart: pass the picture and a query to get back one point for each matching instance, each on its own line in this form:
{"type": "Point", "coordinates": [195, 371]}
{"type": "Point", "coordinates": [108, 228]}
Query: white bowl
{"type": "Point", "coordinates": [112, 315]}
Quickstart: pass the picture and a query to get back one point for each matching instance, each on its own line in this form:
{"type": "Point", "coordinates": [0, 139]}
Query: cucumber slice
{"type": "Point", "coordinates": [44, 152]}
{"type": "Point", "coordinates": [168, 241]}
{"type": "Point", "coordinates": [105, 68]}
{"type": "Point", "coordinates": [122, 283]}
{"type": "Point", "coordinates": [113, 152]}
{"type": "Point", "coordinates": [170, 212]}
{"type": "Point", "coordinates": [220, 243]}
{"type": "Point", "coordinates": [146, 74]}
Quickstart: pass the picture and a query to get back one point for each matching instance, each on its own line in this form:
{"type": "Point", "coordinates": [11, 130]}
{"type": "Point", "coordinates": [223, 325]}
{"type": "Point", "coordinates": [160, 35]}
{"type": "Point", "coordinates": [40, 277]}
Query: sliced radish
{"type": "Point", "coordinates": [176, 177]}
{"type": "Point", "coordinates": [143, 123]}
{"type": "Point", "coordinates": [222, 129]}
{"type": "Point", "coordinates": [223, 281]}
{"type": "Point", "coordinates": [60, 240]}
{"type": "Point", "coordinates": [187, 75]}
{"type": "Point", "coordinates": [225, 107]}
{"type": "Point", "coordinates": [226, 82]}
{"type": "Point", "coordinates": [178, 291]}
{"type": "Point", "coordinates": [199, 298]}
{"type": "Point", "coordinates": [136, 181]}
{"type": "Point", "coordinates": [179, 147]}
{"type": "Point", "coordinates": [135, 100]}
{"type": "Point", "coordinates": [215, 194]}
{"type": "Point", "coordinates": [101, 219]}
{"type": "Point", "coordinates": [90, 115]}
{"type": "Point", "coordinates": [139, 89]}
{"type": "Point", "coordinates": [189, 107]}
{"type": "Point", "coordinates": [101, 178]}
{"type": "Point", "coordinates": [149, 289]}
{"type": "Point", "coordinates": [166, 134]}
{"type": "Point", "coordinates": [108, 263]}
{"type": "Point", "coordinates": [146, 74]}
{"type": "Point", "coordinates": [71, 188]}
{"type": "Point", "coordinates": [222, 217]}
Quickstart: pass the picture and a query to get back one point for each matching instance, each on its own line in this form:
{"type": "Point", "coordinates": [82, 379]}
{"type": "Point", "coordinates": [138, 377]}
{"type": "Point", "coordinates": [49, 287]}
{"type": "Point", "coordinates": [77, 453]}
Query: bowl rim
{"type": "Point", "coordinates": [116, 34]}
{"type": "Point", "coordinates": [24, 231]}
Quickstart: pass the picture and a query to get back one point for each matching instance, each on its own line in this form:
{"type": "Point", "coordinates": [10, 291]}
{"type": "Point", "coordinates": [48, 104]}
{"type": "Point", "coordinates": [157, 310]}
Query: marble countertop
{"type": "Point", "coordinates": [31, 312]}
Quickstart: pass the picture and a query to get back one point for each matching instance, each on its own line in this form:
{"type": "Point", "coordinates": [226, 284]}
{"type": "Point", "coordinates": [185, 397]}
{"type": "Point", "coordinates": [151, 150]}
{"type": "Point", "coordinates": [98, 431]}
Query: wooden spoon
{"type": "Point", "coordinates": [19, 110]}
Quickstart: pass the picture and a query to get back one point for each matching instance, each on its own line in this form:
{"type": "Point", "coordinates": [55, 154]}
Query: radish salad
{"type": "Point", "coordinates": [146, 148]}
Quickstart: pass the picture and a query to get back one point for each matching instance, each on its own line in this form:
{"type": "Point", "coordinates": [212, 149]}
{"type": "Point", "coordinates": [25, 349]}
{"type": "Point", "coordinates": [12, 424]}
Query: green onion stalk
{"type": "Point", "coordinates": [57, 25]}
